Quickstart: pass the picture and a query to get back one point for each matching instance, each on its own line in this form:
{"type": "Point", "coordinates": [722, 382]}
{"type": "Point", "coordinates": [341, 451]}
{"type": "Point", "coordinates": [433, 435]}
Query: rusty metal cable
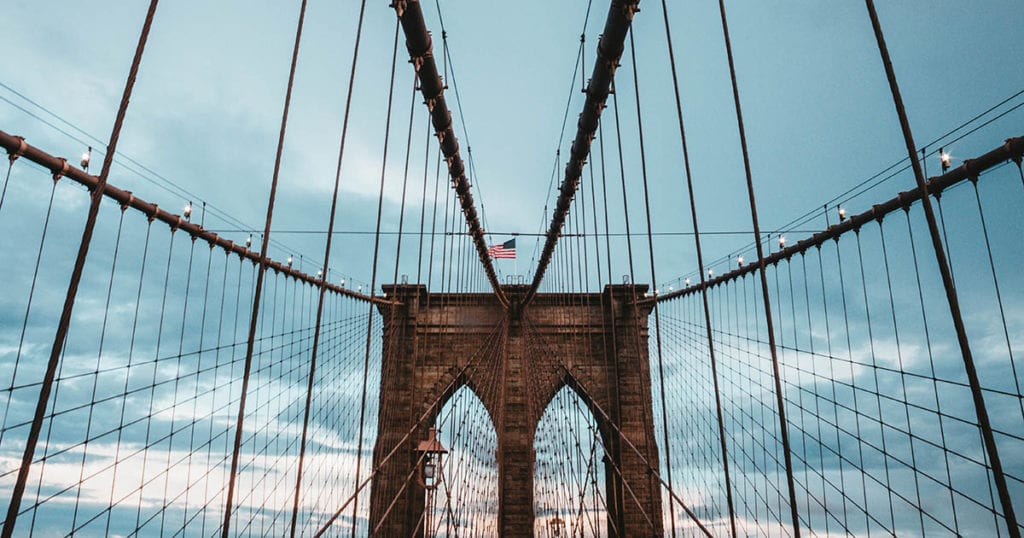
{"type": "Point", "coordinates": [373, 279]}
{"type": "Point", "coordinates": [633, 298]}
{"type": "Point", "coordinates": [327, 259]}
{"type": "Point", "coordinates": [700, 271]}
{"type": "Point", "coordinates": [1011, 150]}
{"type": "Point", "coordinates": [654, 277]}
{"type": "Point", "coordinates": [153, 212]}
{"type": "Point", "coordinates": [10, 165]}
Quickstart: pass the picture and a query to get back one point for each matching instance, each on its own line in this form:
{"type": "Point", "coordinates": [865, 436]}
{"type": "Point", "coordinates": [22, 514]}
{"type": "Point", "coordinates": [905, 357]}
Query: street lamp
{"type": "Point", "coordinates": [430, 462]}
{"type": "Point", "coordinates": [430, 451]}
{"type": "Point", "coordinates": [555, 527]}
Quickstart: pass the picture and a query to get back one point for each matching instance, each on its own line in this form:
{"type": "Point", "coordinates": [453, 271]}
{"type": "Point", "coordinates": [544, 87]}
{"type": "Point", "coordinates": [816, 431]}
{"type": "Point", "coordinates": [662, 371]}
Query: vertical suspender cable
{"type": "Point", "coordinates": [654, 281]}
{"type": "Point", "coordinates": [7, 178]}
{"type": "Point", "coordinates": [76, 277]}
{"type": "Point", "coordinates": [779, 400]}
{"type": "Point", "coordinates": [225, 529]}
{"type": "Point", "coordinates": [609, 50]}
{"type": "Point", "coordinates": [327, 259]}
{"type": "Point", "coordinates": [700, 272]}
{"type": "Point", "coordinates": [405, 184]}
{"type": "Point", "coordinates": [947, 283]}
{"type": "Point", "coordinates": [420, 47]}
{"type": "Point", "coordinates": [373, 282]}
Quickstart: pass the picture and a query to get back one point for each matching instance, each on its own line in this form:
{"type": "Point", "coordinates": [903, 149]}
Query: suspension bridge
{"type": "Point", "coordinates": [173, 370]}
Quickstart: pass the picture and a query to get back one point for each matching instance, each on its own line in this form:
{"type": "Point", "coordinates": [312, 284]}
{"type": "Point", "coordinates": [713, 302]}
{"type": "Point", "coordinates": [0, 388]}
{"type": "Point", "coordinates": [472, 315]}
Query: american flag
{"type": "Point", "coordinates": [506, 250]}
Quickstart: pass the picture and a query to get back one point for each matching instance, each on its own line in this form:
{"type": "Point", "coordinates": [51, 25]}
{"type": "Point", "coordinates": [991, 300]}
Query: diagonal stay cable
{"type": "Point", "coordinates": [948, 285]}
{"type": "Point", "coordinates": [323, 282]}
{"type": "Point", "coordinates": [713, 363]}
{"type": "Point", "coordinates": [262, 269]}
{"type": "Point", "coordinates": [780, 407]}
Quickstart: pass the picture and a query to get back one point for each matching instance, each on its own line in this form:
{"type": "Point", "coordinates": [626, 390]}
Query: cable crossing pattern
{"type": "Point", "coordinates": [853, 371]}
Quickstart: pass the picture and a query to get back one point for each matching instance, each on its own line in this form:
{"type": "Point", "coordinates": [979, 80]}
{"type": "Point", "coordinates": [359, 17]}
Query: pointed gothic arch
{"type": "Point", "coordinates": [515, 362]}
{"type": "Point", "coordinates": [571, 487]}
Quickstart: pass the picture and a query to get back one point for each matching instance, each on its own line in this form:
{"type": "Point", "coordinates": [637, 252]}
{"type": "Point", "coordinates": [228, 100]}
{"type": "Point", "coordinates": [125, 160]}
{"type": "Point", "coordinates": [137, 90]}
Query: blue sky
{"type": "Point", "coordinates": [207, 105]}
{"type": "Point", "coordinates": [204, 121]}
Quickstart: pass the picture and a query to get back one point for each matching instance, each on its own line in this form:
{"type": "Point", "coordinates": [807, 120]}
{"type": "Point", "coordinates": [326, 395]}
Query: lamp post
{"type": "Point", "coordinates": [430, 451]}
{"type": "Point", "coordinates": [555, 527]}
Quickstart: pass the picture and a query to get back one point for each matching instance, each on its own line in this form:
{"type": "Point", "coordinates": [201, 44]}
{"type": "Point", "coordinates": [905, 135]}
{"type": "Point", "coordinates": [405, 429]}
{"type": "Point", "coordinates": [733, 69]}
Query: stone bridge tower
{"type": "Point", "coordinates": [594, 343]}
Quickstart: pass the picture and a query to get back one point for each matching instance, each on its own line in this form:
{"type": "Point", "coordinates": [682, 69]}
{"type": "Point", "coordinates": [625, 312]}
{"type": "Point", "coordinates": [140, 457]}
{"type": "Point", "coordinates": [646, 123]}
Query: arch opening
{"type": "Point", "coordinates": [570, 476]}
{"type": "Point", "coordinates": [465, 501]}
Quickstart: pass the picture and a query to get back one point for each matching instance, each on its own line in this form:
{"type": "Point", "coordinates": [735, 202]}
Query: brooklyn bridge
{"type": "Point", "coordinates": [743, 270]}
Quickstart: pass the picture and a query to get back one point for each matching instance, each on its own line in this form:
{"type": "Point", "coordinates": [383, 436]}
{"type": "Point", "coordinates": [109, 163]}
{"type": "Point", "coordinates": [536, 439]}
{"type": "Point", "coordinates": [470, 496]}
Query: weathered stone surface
{"type": "Point", "coordinates": [516, 362]}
